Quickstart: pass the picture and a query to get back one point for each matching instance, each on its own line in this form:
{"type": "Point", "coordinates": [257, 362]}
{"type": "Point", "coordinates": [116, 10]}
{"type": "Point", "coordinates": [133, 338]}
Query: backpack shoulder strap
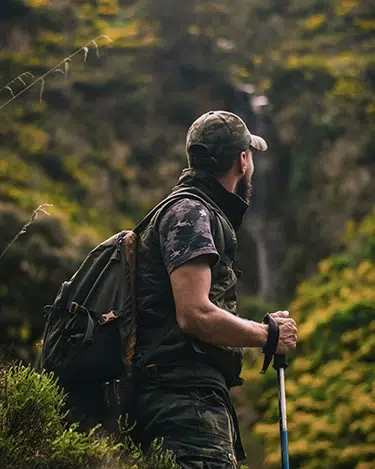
{"type": "Point", "coordinates": [163, 205]}
{"type": "Point", "coordinates": [223, 234]}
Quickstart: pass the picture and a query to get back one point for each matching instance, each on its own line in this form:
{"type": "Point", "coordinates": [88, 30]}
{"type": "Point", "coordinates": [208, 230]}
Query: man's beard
{"type": "Point", "coordinates": [244, 187]}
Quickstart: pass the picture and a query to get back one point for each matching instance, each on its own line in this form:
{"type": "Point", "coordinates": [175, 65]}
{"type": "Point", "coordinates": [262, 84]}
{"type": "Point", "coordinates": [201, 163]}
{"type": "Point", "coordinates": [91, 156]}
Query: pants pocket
{"type": "Point", "coordinates": [213, 415]}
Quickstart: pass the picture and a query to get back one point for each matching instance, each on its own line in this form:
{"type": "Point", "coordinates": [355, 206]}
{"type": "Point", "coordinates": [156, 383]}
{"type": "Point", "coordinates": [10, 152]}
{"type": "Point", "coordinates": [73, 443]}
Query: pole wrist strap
{"type": "Point", "coordinates": [270, 347]}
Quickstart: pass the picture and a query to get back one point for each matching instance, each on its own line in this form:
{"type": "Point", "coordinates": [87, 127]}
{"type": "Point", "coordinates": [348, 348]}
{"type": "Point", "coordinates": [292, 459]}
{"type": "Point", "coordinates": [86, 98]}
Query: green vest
{"type": "Point", "coordinates": [154, 294]}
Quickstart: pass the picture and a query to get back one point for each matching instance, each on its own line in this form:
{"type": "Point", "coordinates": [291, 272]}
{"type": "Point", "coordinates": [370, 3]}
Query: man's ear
{"type": "Point", "coordinates": [243, 162]}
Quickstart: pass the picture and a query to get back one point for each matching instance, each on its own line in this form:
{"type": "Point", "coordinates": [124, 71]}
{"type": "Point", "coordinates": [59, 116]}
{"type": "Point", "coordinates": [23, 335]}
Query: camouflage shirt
{"type": "Point", "coordinates": [185, 232]}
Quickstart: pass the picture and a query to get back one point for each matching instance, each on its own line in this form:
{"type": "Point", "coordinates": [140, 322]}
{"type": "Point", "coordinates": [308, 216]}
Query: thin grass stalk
{"type": "Point", "coordinates": [53, 69]}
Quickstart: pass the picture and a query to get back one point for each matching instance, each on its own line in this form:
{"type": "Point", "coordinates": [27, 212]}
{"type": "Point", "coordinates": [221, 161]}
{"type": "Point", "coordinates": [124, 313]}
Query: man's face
{"type": "Point", "coordinates": [244, 185]}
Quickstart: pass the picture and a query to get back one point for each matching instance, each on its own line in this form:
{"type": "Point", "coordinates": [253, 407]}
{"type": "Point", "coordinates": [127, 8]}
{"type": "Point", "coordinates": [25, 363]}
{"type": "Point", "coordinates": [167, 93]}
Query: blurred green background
{"type": "Point", "coordinates": [103, 140]}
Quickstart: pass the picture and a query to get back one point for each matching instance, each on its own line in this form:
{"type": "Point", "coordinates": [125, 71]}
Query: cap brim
{"type": "Point", "coordinates": [258, 143]}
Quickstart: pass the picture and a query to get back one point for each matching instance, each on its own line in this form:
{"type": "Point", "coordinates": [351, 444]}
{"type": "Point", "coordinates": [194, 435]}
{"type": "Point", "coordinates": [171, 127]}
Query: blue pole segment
{"type": "Point", "coordinates": [284, 449]}
{"type": "Point", "coordinates": [283, 419]}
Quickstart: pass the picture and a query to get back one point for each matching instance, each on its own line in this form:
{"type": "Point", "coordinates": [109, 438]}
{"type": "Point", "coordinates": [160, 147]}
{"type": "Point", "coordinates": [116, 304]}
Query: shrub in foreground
{"type": "Point", "coordinates": [35, 435]}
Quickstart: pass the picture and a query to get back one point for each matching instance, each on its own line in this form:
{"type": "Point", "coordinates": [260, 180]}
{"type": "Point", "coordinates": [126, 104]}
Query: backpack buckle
{"type": "Point", "coordinates": [108, 317]}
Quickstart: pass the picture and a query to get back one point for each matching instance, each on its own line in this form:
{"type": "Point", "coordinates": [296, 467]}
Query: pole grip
{"type": "Point", "coordinates": [280, 361]}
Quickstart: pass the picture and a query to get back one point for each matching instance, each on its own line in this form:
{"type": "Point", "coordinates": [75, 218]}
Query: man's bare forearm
{"type": "Point", "coordinates": [216, 326]}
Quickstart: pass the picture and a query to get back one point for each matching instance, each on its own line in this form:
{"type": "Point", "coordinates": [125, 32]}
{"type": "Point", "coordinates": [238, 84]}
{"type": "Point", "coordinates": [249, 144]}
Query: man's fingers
{"type": "Point", "coordinates": [280, 314]}
{"type": "Point", "coordinates": [282, 320]}
{"type": "Point", "coordinates": [288, 331]}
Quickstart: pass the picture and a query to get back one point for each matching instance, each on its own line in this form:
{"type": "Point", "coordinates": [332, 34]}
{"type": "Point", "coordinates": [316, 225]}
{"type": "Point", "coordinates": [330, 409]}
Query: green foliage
{"type": "Point", "coordinates": [254, 308]}
{"type": "Point", "coordinates": [31, 409]}
{"type": "Point", "coordinates": [34, 435]}
{"type": "Point", "coordinates": [107, 140]}
{"type": "Point", "coordinates": [331, 378]}
{"type": "Point", "coordinates": [30, 273]}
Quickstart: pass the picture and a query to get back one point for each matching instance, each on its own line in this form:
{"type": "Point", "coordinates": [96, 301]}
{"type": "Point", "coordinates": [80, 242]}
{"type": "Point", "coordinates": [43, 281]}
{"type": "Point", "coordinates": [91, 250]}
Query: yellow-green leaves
{"type": "Point", "coordinates": [331, 378]}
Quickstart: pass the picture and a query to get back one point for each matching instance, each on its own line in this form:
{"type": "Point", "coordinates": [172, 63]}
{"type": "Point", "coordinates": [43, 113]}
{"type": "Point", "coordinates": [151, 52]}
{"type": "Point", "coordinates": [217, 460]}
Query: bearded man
{"type": "Point", "coordinates": [186, 294]}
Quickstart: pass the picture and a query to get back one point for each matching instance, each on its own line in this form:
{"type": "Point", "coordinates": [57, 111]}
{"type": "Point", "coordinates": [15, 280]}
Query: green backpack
{"type": "Point", "coordinates": [90, 328]}
{"type": "Point", "coordinates": [86, 326]}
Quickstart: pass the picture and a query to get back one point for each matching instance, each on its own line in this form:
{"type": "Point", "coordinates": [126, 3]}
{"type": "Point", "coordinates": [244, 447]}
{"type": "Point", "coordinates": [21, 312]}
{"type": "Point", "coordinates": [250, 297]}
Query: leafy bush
{"type": "Point", "coordinates": [254, 308]}
{"type": "Point", "coordinates": [330, 381]}
{"type": "Point", "coordinates": [34, 434]}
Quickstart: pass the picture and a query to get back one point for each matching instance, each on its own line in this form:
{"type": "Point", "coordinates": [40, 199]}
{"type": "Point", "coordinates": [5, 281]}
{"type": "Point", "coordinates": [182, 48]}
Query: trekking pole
{"type": "Point", "coordinates": [280, 365]}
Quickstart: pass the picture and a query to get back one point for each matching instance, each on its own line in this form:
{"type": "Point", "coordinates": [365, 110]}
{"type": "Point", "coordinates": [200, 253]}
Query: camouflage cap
{"type": "Point", "coordinates": [222, 132]}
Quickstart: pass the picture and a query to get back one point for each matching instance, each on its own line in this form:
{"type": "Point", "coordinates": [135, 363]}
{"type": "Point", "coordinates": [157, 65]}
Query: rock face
{"type": "Point", "coordinates": [263, 222]}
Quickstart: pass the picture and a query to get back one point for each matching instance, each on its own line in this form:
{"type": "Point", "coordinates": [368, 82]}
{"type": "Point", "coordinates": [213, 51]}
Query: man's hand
{"type": "Point", "coordinates": [288, 332]}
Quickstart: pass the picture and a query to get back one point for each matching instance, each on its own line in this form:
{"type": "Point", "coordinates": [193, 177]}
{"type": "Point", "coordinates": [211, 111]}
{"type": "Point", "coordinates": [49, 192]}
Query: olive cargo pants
{"type": "Point", "coordinates": [189, 407]}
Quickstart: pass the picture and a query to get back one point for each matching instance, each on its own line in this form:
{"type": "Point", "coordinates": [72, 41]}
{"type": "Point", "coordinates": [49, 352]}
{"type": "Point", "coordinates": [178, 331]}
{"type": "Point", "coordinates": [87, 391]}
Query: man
{"type": "Point", "coordinates": [187, 292]}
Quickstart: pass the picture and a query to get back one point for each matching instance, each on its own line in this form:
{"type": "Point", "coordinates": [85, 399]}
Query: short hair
{"type": "Point", "coordinates": [217, 163]}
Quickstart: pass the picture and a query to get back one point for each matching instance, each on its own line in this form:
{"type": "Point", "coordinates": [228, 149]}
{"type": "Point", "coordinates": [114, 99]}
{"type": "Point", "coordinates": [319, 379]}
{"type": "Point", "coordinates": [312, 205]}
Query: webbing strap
{"type": "Point", "coordinates": [90, 323]}
{"type": "Point", "coordinates": [131, 253]}
{"type": "Point", "coordinates": [169, 326]}
{"type": "Point", "coordinates": [273, 339]}
{"type": "Point", "coordinates": [164, 204]}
